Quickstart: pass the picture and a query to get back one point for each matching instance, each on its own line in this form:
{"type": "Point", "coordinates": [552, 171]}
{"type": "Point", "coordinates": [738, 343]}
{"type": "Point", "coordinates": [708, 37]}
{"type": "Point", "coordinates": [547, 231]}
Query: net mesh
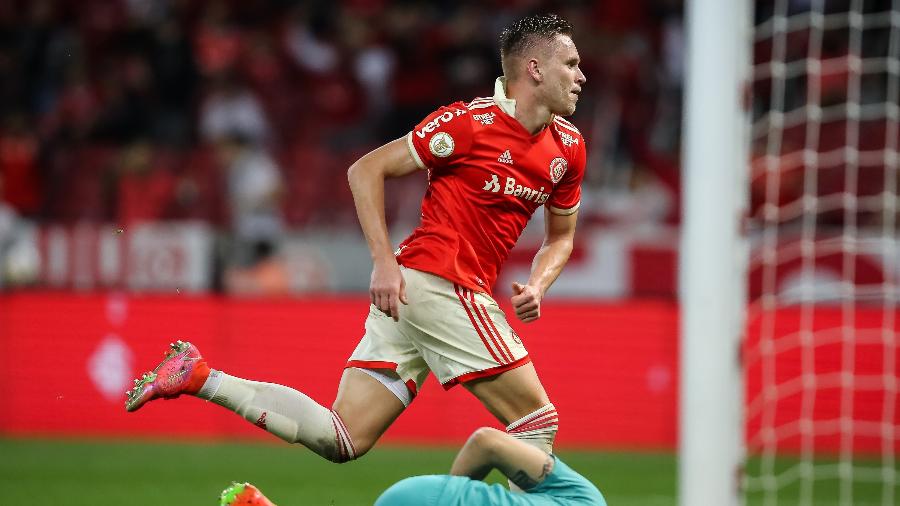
{"type": "Point", "coordinates": [821, 350]}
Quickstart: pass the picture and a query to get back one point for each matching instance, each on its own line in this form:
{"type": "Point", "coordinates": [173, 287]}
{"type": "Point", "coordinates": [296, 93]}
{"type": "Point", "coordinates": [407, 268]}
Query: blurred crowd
{"type": "Point", "coordinates": [247, 114]}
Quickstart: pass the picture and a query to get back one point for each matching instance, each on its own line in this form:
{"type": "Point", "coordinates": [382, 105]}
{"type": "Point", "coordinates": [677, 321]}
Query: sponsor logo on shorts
{"type": "Point", "coordinates": [558, 168]}
{"type": "Point", "coordinates": [441, 145]}
{"type": "Point", "coordinates": [515, 337]}
{"type": "Point", "coordinates": [261, 422]}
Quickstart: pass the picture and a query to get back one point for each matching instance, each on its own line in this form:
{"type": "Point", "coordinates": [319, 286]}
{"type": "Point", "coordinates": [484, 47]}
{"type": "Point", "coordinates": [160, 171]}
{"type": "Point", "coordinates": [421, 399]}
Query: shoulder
{"type": "Point", "coordinates": [568, 134]}
{"type": "Point", "coordinates": [481, 103]}
{"type": "Point", "coordinates": [443, 118]}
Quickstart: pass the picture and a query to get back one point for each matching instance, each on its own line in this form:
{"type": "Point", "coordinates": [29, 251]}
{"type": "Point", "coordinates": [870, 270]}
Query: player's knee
{"type": "Point", "coordinates": [363, 443]}
{"type": "Point", "coordinates": [485, 438]}
{"type": "Point", "coordinates": [346, 447]}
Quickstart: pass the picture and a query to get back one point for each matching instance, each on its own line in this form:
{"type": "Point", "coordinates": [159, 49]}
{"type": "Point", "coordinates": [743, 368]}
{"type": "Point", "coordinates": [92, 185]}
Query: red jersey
{"type": "Point", "coordinates": [486, 177]}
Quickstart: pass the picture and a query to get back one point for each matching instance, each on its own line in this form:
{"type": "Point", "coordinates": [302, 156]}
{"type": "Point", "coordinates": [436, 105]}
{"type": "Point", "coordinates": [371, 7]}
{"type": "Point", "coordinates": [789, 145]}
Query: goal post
{"type": "Point", "coordinates": [713, 258]}
{"type": "Point", "coordinates": [790, 383]}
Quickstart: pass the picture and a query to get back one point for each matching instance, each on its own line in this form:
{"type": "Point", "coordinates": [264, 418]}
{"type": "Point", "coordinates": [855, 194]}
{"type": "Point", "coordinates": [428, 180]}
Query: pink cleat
{"type": "Point", "coordinates": [183, 371]}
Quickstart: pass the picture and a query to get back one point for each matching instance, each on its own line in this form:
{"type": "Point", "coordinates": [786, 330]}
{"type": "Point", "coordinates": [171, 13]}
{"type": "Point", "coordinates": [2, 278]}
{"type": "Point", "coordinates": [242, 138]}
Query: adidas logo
{"type": "Point", "coordinates": [505, 158]}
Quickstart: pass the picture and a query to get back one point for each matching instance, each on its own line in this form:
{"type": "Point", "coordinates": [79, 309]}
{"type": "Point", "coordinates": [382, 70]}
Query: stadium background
{"type": "Point", "coordinates": [177, 169]}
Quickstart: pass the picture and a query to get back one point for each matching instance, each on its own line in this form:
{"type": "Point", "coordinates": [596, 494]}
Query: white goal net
{"type": "Point", "coordinates": [821, 351]}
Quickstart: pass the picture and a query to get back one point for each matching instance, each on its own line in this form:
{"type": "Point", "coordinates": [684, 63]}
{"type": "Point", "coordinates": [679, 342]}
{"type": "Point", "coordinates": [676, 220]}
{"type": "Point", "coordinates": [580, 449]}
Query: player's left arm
{"type": "Point", "coordinates": [559, 239]}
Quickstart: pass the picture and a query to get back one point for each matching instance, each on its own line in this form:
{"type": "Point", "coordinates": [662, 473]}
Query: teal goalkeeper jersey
{"type": "Point", "coordinates": [562, 487]}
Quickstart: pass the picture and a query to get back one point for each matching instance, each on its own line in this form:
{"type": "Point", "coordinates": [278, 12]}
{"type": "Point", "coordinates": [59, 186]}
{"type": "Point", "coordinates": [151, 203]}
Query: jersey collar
{"type": "Point", "coordinates": [508, 105]}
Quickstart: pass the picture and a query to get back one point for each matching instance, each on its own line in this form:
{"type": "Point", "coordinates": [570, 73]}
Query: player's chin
{"type": "Point", "coordinates": [567, 109]}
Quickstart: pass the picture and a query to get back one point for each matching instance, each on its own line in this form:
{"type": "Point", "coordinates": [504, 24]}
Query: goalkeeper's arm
{"type": "Point", "coordinates": [488, 448]}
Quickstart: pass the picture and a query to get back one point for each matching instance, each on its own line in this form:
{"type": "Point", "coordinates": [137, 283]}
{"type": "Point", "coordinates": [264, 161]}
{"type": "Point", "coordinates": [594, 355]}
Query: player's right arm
{"type": "Point", "coordinates": [366, 177]}
{"type": "Point", "coordinates": [488, 448]}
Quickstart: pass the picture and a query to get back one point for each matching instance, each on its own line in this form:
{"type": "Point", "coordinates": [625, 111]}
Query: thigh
{"type": "Point", "coordinates": [366, 407]}
{"type": "Point", "coordinates": [512, 394]}
{"type": "Point", "coordinates": [387, 345]}
{"type": "Point", "coordinates": [462, 334]}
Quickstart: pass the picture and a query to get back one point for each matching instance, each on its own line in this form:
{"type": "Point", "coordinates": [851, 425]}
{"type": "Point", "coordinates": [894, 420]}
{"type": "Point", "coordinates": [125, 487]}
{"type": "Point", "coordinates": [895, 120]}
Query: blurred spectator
{"type": "Point", "coordinates": [19, 166]}
{"type": "Point", "coordinates": [269, 275]}
{"type": "Point", "coordinates": [176, 79]}
{"type": "Point", "coordinates": [255, 191]}
{"type": "Point", "coordinates": [129, 100]}
{"type": "Point", "coordinates": [218, 41]}
{"type": "Point", "coordinates": [307, 38]}
{"type": "Point", "coordinates": [144, 187]}
{"type": "Point", "coordinates": [18, 257]}
{"type": "Point", "coordinates": [8, 221]}
{"type": "Point", "coordinates": [232, 109]}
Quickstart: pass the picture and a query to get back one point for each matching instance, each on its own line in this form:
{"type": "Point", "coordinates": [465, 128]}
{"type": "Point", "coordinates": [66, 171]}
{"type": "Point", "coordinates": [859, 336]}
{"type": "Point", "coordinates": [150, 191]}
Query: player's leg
{"type": "Point", "coordinates": [518, 399]}
{"type": "Point", "coordinates": [339, 434]}
{"type": "Point", "coordinates": [465, 338]}
{"type": "Point", "coordinates": [367, 407]}
{"type": "Point", "coordinates": [283, 411]}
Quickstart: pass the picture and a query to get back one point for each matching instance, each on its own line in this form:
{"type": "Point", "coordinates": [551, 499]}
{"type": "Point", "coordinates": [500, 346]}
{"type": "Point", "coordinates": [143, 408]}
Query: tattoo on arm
{"type": "Point", "coordinates": [525, 482]}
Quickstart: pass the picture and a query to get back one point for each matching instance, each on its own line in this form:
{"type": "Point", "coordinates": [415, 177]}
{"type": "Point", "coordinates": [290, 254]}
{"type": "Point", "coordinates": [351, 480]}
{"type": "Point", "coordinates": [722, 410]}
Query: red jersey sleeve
{"type": "Point", "coordinates": [566, 195]}
{"type": "Point", "coordinates": [442, 137]}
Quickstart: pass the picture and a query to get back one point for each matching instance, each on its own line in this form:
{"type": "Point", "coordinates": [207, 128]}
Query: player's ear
{"type": "Point", "coordinates": [534, 70]}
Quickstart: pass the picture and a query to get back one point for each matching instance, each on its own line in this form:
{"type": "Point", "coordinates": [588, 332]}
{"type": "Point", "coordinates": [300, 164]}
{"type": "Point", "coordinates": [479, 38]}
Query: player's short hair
{"type": "Point", "coordinates": [524, 33]}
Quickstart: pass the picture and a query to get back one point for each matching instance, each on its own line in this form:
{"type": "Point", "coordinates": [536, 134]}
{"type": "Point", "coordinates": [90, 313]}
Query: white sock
{"type": "Point", "coordinates": [538, 429]}
{"type": "Point", "coordinates": [283, 411]}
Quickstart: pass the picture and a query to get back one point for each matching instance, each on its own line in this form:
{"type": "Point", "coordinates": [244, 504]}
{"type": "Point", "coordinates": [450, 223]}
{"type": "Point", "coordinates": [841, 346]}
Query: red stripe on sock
{"type": "Point", "coordinates": [342, 454]}
{"type": "Point", "coordinates": [534, 417]}
{"type": "Point", "coordinates": [345, 432]}
{"type": "Point", "coordinates": [532, 427]}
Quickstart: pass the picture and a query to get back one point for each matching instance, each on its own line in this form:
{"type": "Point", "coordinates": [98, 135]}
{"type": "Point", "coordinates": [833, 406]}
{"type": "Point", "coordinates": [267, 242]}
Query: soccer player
{"type": "Point", "coordinates": [544, 478]}
{"type": "Point", "coordinates": [491, 164]}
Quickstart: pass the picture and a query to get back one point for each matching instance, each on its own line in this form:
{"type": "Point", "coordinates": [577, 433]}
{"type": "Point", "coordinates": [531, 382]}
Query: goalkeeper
{"type": "Point", "coordinates": [544, 478]}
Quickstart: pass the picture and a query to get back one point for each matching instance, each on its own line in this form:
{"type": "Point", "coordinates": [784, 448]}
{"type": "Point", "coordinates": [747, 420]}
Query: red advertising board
{"type": "Point", "coordinates": [609, 368]}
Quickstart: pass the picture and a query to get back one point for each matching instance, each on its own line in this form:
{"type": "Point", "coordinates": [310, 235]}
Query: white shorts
{"type": "Point", "coordinates": [458, 334]}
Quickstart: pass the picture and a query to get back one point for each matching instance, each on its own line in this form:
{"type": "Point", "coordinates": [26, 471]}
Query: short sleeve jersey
{"type": "Point", "coordinates": [486, 177]}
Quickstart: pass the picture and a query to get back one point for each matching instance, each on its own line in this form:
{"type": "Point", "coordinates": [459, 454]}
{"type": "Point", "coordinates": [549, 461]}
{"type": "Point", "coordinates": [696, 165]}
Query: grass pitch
{"type": "Point", "coordinates": [46, 472]}
{"type": "Point", "coordinates": [38, 472]}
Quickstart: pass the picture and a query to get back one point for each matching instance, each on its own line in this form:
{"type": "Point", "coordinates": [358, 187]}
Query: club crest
{"type": "Point", "coordinates": [558, 168]}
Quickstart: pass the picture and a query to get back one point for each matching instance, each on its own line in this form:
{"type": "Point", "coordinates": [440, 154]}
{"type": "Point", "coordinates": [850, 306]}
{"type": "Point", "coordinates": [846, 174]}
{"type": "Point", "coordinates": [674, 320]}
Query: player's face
{"type": "Point", "coordinates": [562, 76]}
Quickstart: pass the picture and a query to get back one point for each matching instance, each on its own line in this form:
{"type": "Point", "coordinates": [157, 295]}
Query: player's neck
{"type": "Point", "coordinates": [530, 112]}
{"type": "Point", "coordinates": [534, 117]}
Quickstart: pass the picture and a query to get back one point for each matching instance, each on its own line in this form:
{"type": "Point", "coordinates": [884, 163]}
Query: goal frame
{"type": "Point", "coordinates": [713, 251]}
